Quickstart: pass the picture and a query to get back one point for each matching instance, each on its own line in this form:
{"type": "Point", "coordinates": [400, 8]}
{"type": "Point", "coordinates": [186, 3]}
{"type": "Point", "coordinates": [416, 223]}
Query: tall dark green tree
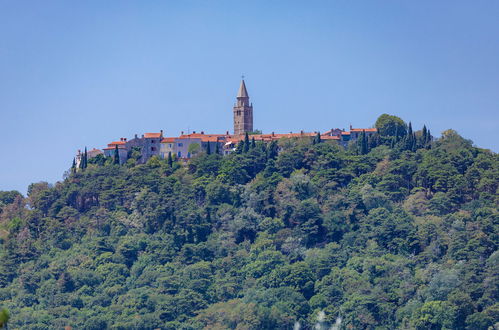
{"type": "Point", "coordinates": [424, 135]}
{"type": "Point", "coordinates": [217, 148]}
{"type": "Point", "coordinates": [246, 143]}
{"type": "Point", "coordinates": [116, 155]}
{"type": "Point", "coordinates": [317, 138]}
{"type": "Point", "coordinates": [272, 149]}
{"type": "Point", "coordinates": [73, 167]}
{"type": "Point", "coordinates": [170, 159]}
{"type": "Point", "coordinates": [240, 147]}
{"type": "Point", "coordinates": [208, 148]}
{"type": "Point", "coordinates": [81, 165]}
{"type": "Point", "coordinates": [85, 158]}
{"type": "Point", "coordinates": [429, 138]}
{"type": "Point", "coordinates": [362, 144]}
{"type": "Point", "coordinates": [253, 143]}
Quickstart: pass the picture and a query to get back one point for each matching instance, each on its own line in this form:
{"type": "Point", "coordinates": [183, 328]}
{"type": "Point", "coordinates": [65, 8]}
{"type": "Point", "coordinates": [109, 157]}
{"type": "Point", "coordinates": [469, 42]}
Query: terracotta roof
{"type": "Point", "coordinates": [331, 131]}
{"type": "Point", "coordinates": [112, 148]}
{"type": "Point", "coordinates": [210, 139]}
{"type": "Point", "coordinates": [363, 129]}
{"type": "Point", "coordinates": [168, 140]}
{"type": "Point", "coordinates": [199, 135]}
{"type": "Point", "coordinates": [116, 143]}
{"type": "Point", "coordinates": [345, 133]}
{"type": "Point", "coordinates": [152, 135]}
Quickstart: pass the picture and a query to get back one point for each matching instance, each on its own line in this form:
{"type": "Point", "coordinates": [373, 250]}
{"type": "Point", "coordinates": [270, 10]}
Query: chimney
{"type": "Point", "coordinates": [161, 132]}
{"type": "Point", "coordinates": [301, 132]}
{"type": "Point", "coordinates": [142, 135]}
{"type": "Point", "coordinates": [124, 139]}
{"type": "Point", "coordinates": [182, 133]}
{"type": "Point", "coordinates": [202, 132]}
{"type": "Point", "coordinates": [273, 134]}
{"type": "Point", "coordinates": [350, 126]}
{"type": "Point", "coordinates": [193, 132]}
{"type": "Point", "coordinates": [226, 132]}
{"type": "Point", "coordinates": [136, 136]}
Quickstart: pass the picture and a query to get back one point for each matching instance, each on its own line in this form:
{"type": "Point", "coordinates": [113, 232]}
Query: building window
{"type": "Point", "coordinates": [179, 154]}
{"type": "Point", "coordinates": [152, 141]}
{"type": "Point", "coordinates": [153, 149]}
{"type": "Point", "coordinates": [180, 144]}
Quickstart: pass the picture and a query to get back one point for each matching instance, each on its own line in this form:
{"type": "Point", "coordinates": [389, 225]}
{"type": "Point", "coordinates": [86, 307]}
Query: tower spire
{"type": "Point", "coordinates": [243, 111]}
{"type": "Point", "coordinates": [242, 89]}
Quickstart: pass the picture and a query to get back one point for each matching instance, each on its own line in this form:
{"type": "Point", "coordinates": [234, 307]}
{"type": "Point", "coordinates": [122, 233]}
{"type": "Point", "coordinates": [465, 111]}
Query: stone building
{"type": "Point", "coordinates": [122, 150]}
{"type": "Point", "coordinates": [167, 147]}
{"type": "Point", "coordinates": [243, 112]}
{"type": "Point", "coordinates": [149, 145]}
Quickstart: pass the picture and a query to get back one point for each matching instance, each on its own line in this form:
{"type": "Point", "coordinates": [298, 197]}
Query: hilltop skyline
{"type": "Point", "coordinates": [85, 74]}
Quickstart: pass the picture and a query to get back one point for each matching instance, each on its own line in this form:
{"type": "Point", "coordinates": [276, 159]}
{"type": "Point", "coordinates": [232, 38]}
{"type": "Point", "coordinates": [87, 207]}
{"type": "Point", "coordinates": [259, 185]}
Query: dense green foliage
{"type": "Point", "coordinates": [391, 233]}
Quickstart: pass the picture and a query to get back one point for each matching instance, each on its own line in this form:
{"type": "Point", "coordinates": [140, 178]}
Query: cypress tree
{"type": "Point", "coordinates": [365, 145]}
{"type": "Point", "coordinates": [362, 144]}
{"type": "Point", "coordinates": [272, 150]}
{"type": "Point", "coordinates": [82, 161]}
{"type": "Point", "coordinates": [318, 137]}
{"type": "Point", "coordinates": [208, 149]}
{"type": "Point", "coordinates": [85, 158]}
{"type": "Point", "coordinates": [246, 143]}
{"type": "Point", "coordinates": [170, 159]}
{"type": "Point", "coordinates": [217, 149]}
{"type": "Point", "coordinates": [409, 139]}
{"type": "Point", "coordinates": [240, 147]}
{"type": "Point", "coordinates": [253, 143]}
{"type": "Point", "coordinates": [424, 133]}
{"type": "Point", "coordinates": [116, 155]}
{"type": "Point", "coordinates": [73, 167]}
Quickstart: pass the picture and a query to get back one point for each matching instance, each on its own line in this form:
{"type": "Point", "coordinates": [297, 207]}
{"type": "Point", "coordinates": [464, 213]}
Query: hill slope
{"type": "Point", "coordinates": [399, 233]}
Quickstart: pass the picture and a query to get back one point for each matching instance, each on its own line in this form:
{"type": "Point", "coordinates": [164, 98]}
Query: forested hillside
{"type": "Point", "coordinates": [397, 231]}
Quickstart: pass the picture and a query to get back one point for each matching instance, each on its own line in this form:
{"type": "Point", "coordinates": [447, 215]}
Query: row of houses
{"type": "Point", "coordinates": [186, 146]}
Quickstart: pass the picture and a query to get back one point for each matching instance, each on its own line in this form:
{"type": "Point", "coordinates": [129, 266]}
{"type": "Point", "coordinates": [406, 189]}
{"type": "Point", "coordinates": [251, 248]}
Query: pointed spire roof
{"type": "Point", "coordinates": [242, 90]}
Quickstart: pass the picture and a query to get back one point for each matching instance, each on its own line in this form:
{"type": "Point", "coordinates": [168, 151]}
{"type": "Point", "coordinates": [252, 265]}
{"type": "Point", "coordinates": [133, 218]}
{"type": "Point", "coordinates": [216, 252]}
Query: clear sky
{"type": "Point", "coordinates": [85, 73]}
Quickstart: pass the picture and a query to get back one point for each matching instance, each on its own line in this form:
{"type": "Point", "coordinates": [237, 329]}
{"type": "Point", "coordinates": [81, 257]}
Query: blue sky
{"type": "Point", "coordinates": [84, 73]}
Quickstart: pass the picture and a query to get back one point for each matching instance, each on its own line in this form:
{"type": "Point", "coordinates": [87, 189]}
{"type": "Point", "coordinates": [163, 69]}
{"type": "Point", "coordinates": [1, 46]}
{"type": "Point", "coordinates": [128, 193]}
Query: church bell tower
{"type": "Point", "coordinates": [243, 112]}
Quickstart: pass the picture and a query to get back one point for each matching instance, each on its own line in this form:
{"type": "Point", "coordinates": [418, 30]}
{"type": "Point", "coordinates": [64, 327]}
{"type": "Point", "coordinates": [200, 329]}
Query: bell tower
{"type": "Point", "coordinates": [243, 112]}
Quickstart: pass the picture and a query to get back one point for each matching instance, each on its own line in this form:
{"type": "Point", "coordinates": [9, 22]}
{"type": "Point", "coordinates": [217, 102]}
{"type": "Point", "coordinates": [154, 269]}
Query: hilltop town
{"type": "Point", "coordinates": [187, 145]}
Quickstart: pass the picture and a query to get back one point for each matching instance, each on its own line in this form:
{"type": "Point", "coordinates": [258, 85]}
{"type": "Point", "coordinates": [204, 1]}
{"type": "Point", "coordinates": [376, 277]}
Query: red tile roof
{"type": "Point", "coordinates": [329, 137]}
{"type": "Point", "coordinates": [112, 144]}
{"type": "Point", "coordinates": [112, 148]}
{"type": "Point", "coordinates": [210, 139]}
{"type": "Point", "coordinates": [168, 140]}
{"type": "Point", "coordinates": [363, 129]}
{"type": "Point", "coordinates": [152, 135]}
